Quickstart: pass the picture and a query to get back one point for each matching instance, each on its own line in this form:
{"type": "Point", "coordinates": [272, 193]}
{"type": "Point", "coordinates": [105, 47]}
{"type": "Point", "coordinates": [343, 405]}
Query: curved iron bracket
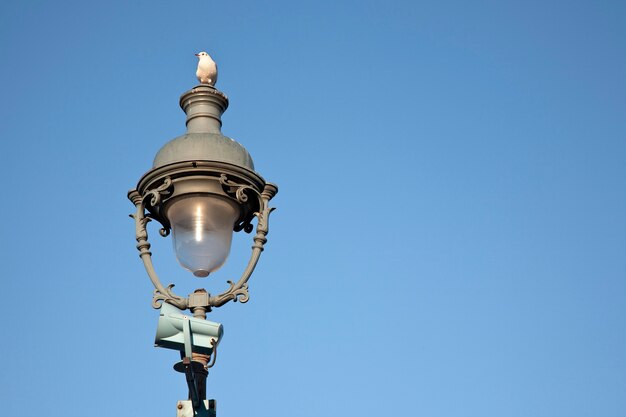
{"type": "Point", "coordinates": [239, 291]}
{"type": "Point", "coordinates": [161, 293]}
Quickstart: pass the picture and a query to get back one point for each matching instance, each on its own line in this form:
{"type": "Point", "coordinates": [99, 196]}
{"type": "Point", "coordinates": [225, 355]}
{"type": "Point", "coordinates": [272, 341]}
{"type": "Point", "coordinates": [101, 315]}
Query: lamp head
{"type": "Point", "coordinates": [208, 186]}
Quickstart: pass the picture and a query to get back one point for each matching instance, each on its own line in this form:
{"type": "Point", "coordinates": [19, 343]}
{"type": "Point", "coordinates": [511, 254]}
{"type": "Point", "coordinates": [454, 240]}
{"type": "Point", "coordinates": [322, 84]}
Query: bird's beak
{"type": "Point", "coordinates": [197, 54]}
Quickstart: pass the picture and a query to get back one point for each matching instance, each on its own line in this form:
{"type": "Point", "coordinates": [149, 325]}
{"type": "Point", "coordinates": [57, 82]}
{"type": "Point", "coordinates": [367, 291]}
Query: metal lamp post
{"type": "Point", "coordinates": [202, 187]}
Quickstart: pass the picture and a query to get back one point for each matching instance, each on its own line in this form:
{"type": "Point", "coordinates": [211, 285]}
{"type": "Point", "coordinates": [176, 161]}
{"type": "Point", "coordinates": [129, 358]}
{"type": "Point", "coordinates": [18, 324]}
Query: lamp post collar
{"type": "Point", "coordinates": [204, 106]}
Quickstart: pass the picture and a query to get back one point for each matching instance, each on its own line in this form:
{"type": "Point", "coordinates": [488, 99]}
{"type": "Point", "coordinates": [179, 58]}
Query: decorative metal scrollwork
{"type": "Point", "coordinates": [161, 293]}
{"type": "Point", "coordinates": [239, 291]}
{"type": "Point", "coordinates": [241, 192]}
{"type": "Point", "coordinates": [158, 193]}
{"type": "Point", "coordinates": [156, 196]}
{"type": "Point", "coordinates": [160, 297]}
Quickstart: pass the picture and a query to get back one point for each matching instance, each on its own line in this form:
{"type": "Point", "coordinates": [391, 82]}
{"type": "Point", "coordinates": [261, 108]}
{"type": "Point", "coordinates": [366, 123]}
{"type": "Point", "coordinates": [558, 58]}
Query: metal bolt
{"type": "Point", "coordinates": [180, 406]}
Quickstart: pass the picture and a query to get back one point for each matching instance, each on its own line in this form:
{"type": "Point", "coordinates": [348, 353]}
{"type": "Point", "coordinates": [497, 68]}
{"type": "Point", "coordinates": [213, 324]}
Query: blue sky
{"type": "Point", "coordinates": [450, 238]}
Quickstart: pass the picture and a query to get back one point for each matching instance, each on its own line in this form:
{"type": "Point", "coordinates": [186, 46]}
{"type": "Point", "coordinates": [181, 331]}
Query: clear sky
{"type": "Point", "coordinates": [450, 238]}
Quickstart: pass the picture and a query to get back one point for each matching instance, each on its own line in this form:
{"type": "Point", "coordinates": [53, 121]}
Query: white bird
{"type": "Point", "coordinates": [207, 69]}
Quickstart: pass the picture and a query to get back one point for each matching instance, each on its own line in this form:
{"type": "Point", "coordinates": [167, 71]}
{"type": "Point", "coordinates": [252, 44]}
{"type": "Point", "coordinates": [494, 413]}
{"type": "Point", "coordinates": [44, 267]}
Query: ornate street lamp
{"type": "Point", "coordinates": [202, 187]}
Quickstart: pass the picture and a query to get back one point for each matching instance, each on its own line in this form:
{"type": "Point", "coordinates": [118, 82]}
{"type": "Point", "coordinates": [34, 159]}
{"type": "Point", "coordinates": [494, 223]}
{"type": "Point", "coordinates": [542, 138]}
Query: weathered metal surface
{"type": "Point", "coordinates": [185, 409]}
{"type": "Point", "coordinates": [204, 106]}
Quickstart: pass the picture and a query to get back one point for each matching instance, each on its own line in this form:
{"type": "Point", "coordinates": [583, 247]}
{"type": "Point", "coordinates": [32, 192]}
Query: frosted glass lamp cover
{"type": "Point", "coordinates": [202, 231]}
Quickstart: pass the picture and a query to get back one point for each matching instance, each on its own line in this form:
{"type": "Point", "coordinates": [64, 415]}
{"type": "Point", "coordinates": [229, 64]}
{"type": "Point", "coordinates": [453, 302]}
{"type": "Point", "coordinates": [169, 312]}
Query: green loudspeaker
{"type": "Point", "coordinates": [179, 331]}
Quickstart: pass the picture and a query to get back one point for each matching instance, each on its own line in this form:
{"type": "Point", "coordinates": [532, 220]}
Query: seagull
{"type": "Point", "coordinates": [207, 69]}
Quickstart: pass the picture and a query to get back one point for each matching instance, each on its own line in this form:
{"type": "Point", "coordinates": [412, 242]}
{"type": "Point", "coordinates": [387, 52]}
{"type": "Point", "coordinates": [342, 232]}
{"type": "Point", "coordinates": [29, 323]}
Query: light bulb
{"type": "Point", "coordinates": [202, 231]}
